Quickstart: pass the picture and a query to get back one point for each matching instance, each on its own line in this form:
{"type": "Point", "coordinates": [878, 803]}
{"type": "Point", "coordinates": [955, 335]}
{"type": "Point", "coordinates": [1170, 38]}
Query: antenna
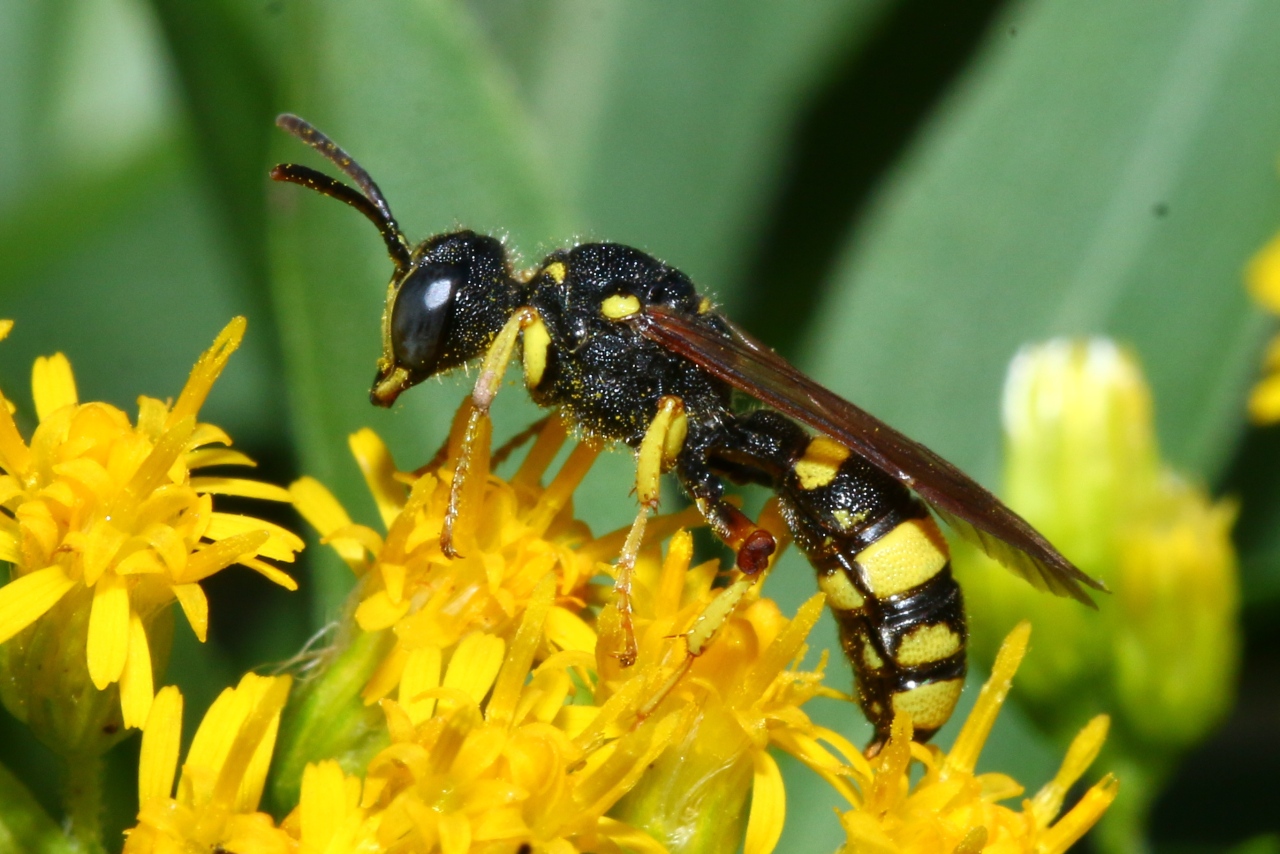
{"type": "Point", "coordinates": [369, 201]}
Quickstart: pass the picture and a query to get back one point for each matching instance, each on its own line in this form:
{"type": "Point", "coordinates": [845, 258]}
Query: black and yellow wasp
{"type": "Point", "coordinates": [629, 351]}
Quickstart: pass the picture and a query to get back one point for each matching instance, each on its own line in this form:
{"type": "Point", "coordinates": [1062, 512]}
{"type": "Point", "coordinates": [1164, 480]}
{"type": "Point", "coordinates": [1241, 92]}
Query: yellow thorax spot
{"type": "Point", "coordinates": [821, 460]}
{"type": "Point", "coordinates": [555, 271]}
{"type": "Point", "coordinates": [906, 557]}
{"type": "Point", "coordinates": [536, 343]}
{"type": "Point", "coordinates": [927, 644]}
{"type": "Point", "coordinates": [619, 306]}
{"type": "Point", "coordinates": [870, 657]}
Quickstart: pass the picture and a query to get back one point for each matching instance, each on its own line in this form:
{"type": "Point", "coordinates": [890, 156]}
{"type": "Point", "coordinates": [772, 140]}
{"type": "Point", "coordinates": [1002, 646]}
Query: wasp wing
{"type": "Point", "coordinates": [974, 512]}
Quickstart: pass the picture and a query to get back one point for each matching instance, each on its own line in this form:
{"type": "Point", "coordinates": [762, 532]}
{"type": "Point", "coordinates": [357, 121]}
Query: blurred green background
{"type": "Point", "coordinates": [895, 194]}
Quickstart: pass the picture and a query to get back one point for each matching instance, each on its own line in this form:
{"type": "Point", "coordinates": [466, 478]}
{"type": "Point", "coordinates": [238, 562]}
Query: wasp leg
{"type": "Point", "coordinates": [659, 448]}
{"type": "Point", "coordinates": [753, 545]}
{"type": "Point", "coordinates": [476, 431]}
{"type": "Point", "coordinates": [704, 628]}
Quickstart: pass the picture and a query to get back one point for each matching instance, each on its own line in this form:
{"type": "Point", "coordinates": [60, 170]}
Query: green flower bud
{"type": "Point", "coordinates": [1161, 652]}
{"type": "Point", "coordinates": [45, 680]}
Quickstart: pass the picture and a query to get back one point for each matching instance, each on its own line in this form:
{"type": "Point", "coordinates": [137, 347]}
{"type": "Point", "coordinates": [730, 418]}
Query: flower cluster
{"type": "Point", "coordinates": [509, 719]}
{"type": "Point", "coordinates": [471, 702]}
{"type": "Point", "coordinates": [105, 523]}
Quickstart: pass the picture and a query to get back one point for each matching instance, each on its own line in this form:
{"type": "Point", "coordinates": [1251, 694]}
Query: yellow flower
{"type": "Point", "coordinates": [105, 524]}
{"type": "Point", "coordinates": [215, 805]}
{"type": "Point", "coordinates": [950, 808]}
{"type": "Point", "coordinates": [1262, 277]}
{"type": "Point", "coordinates": [510, 717]}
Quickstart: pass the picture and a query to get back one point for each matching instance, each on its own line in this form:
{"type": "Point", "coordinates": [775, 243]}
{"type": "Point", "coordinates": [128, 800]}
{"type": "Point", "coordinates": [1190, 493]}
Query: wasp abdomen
{"type": "Point", "coordinates": [881, 561]}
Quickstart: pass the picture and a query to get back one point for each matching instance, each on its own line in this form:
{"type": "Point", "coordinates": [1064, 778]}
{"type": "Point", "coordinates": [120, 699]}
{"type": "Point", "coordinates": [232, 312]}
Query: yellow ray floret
{"type": "Point", "coordinates": [214, 806]}
{"type": "Point", "coordinates": [97, 507]}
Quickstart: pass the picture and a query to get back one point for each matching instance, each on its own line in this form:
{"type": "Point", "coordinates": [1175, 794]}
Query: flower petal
{"type": "Point", "coordinates": [283, 544]}
{"type": "Point", "coordinates": [768, 806]}
{"type": "Point", "coordinates": [217, 457]}
{"type": "Point", "coordinates": [161, 740]}
{"type": "Point", "coordinates": [474, 665]}
{"type": "Point", "coordinates": [379, 473]}
{"type": "Point", "coordinates": [515, 670]}
{"type": "Point", "coordinates": [108, 631]}
{"type": "Point", "coordinates": [218, 556]}
{"type": "Point", "coordinates": [1080, 755]}
{"type": "Point", "coordinates": [15, 456]}
{"type": "Point", "coordinates": [206, 371]}
{"type": "Point", "coordinates": [968, 744]}
{"type": "Point", "coordinates": [196, 607]}
{"type": "Point", "coordinates": [1083, 815]}
{"type": "Point", "coordinates": [318, 506]}
{"type": "Point", "coordinates": [241, 487]}
{"type": "Point", "coordinates": [53, 386]}
{"type": "Point", "coordinates": [325, 804]}
{"type": "Point", "coordinates": [136, 686]}
{"type": "Point", "coordinates": [421, 674]}
{"type": "Point", "coordinates": [28, 597]}
{"type": "Point", "coordinates": [10, 544]}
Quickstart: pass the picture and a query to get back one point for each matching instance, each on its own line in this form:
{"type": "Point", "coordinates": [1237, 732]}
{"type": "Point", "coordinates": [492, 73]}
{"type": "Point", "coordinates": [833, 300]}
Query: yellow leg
{"type": "Point", "coordinates": [698, 636]}
{"type": "Point", "coordinates": [486, 388]}
{"type": "Point", "coordinates": [658, 450]}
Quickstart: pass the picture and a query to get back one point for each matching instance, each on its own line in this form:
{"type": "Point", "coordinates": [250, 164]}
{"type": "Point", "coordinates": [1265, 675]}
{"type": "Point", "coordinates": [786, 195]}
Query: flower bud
{"type": "Point", "coordinates": [1083, 467]}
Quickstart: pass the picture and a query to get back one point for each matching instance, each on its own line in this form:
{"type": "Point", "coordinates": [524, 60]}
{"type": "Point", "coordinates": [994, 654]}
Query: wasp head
{"type": "Point", "coordinates": [448, 297]}
{"type": "Point", "coordinates": [443, 310]}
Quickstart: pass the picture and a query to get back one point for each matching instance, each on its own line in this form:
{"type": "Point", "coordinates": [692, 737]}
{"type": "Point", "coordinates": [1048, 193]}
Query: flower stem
{"type": "Point", "coordinates": [82, 801]}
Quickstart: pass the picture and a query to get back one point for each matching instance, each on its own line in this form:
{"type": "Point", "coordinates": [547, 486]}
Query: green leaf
{"type": "Point", "coordinates": [669, 121]}
{"type": "Point", "coordinates": [1097, 170]}
{"type": "Point", "coordinates": [1100, 170]}
{"type": "Point", "coordinates": [24, 825]}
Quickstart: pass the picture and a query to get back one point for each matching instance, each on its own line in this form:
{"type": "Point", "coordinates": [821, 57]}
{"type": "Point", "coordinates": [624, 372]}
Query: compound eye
{"type": "Point", "coordinates": [420, 316]}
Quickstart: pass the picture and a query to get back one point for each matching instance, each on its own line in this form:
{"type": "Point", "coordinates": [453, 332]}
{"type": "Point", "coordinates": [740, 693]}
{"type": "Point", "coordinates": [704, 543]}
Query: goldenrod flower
{"type": "Point", "coordinates": [105, 524]}
{"type": "Point", "coordinates": [1262, 277]}
{"type": "Point", "coordinates": [511, 719]}
{"type": "Point", "coordinates": [214, 807]}
{"type": "Point", "coordinates": [950, 808]}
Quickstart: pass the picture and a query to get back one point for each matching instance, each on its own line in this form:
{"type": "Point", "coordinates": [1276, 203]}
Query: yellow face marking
{"type": "Point", "coordinates": [870, 657]}
{"type": "Point", "coordinates": [555, 272]}
{"type": "Point", "coordinates": [704, 306]}
{"type": "Point", "coordinates": [537, 341]}
{"type": "Point", "coordinates": [927, 644]}
{"type": "Point", "coordinates": [929, 705]}
{"type": "Point", "coordinates": [840, 592]}
{"type": "Point", "coordinates": [821, 461]}
{"type": "Point", "coordinates": [619, 306]}
{"type": "Point", "coordinates": [906, 557]}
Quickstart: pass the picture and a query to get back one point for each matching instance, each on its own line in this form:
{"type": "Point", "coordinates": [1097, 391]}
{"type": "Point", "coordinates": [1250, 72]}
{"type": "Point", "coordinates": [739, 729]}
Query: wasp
{"type": "Point", "coordinates": [629, 351]}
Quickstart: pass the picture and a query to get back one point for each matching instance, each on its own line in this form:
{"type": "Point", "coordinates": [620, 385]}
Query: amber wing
{"type": "Point", "coordinates": [973, 511]}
